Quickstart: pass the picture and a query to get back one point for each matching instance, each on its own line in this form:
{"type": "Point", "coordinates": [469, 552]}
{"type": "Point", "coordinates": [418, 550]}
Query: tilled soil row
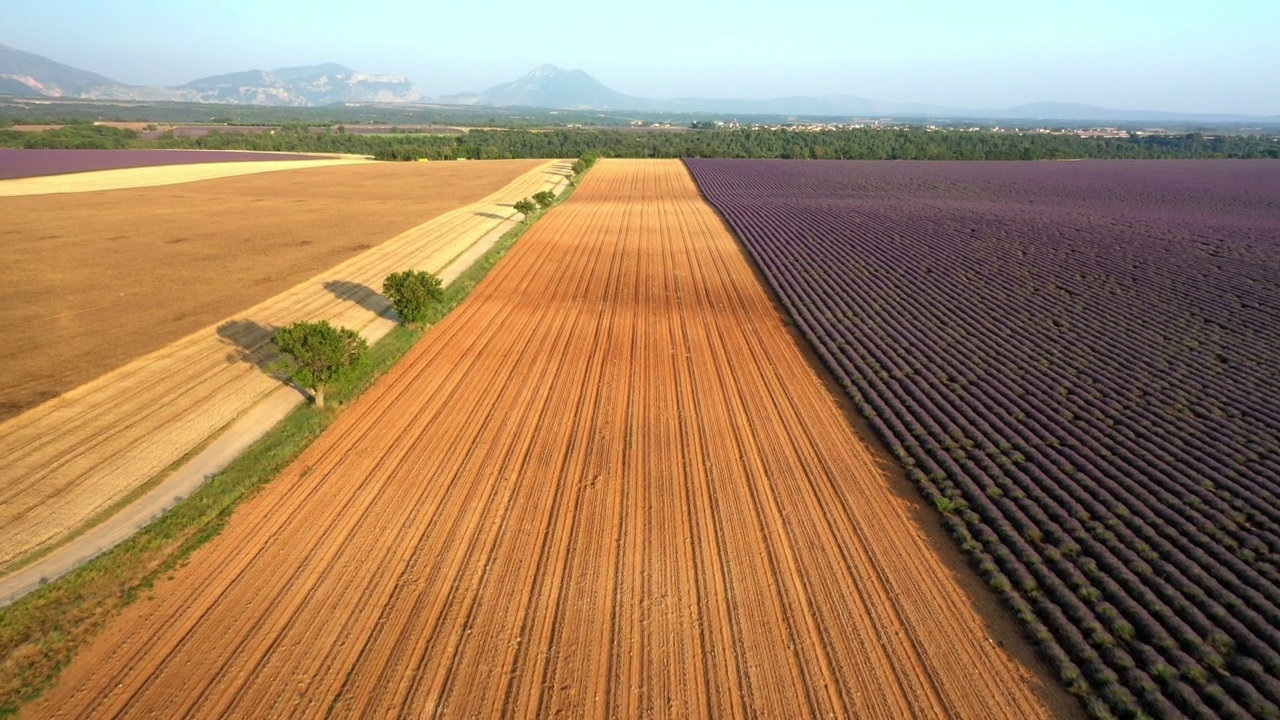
{"type": "Point", "coordinates": [609, 484]}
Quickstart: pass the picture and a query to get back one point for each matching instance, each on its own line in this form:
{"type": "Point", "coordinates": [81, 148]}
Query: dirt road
{"type": "Point", "coordinates": [73, 457]}
{"type": "Point", "coordinates": [609, 484]}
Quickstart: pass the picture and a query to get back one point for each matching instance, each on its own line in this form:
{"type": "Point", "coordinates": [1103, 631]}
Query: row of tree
{"type": "Point", "coordinates": [851, 144]}
{"type": "Point", "coordinates": [87, 136]}
{"type": "Point", "coordinates": [540, 201]}
{"type": "Point", "coordinates": [316, 354]}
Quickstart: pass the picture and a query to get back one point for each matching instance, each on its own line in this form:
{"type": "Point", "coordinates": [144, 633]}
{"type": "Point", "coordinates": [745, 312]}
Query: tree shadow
{"type": "Point", "coordinates": [561, 170]}
{"type": "Point", "coordinates": [250, 342]}
{"type": "Point", "coordinates": [364, 296]}
{"type": "Point", "coordinates": [491, 216]}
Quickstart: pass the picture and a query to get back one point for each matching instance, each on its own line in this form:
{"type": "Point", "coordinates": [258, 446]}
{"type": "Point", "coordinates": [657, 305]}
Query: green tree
{"type": "Point", "coordinates": [544, 198]}
{"type": "Point", "coordinates": [583, 164]}
{"type": "Point", "coordinates": [525, 207]}
{"type": "Point", "coordinates": [321, 353]}
{"type": "Point", "coordinates": [412, 293]}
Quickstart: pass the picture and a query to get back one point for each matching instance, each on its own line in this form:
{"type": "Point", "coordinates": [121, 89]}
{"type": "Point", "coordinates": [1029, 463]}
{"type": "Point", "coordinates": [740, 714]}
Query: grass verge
{"type": "Point", "coordinates": [41, 632]}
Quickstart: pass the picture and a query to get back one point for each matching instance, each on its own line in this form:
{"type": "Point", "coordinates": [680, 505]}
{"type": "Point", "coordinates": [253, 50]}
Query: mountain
{"type": "Point", "coordinates": [552, 87]}
{"type": "Point", "coordinates": [23, 73]}
{"type": "Point", "coordinates": [549, 86]}
{"type": "Point", "coordinates": [27, 74]}
{"type": "Point", "coordinates": [252, 87]}
{"type": "Point", "coordinates": [302, 86]}
{"type": "Point", "coordinates": [305, 72]}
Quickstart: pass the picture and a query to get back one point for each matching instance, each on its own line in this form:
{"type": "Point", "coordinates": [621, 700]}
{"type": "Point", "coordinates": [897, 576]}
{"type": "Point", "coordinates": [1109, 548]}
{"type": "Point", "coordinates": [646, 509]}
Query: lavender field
{"type": "Point", "coordinates": [1079, 366]}
{"type": "Point", "coordinates": [20, 162]}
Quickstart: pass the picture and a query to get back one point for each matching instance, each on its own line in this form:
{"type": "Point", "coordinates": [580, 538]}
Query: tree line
{"type": "Point", "coordinates": [850, 144]}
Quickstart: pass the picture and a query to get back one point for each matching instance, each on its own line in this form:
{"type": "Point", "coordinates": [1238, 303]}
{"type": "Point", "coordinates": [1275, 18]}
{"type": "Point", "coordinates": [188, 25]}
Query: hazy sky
{"type": "Point", "coordinates": [1176, 55]}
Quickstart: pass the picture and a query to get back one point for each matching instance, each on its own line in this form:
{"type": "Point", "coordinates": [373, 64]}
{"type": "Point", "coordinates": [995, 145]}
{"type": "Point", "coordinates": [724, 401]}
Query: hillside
{"type": "Point", "coordinates": [28, 74]}
{"type": "Point", "coordinates": [24, 73]}
{"type": "Point", "coordinates": [547, 87]}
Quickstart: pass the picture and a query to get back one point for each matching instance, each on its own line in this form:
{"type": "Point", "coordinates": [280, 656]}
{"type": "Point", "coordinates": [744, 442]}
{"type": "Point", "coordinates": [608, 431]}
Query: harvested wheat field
{"type": "Point", "coordinates": [69, 460]}
{"type": "Point", "coordinates": [89, 281]}
{"type": "Point", "coordinates": [609, 484]}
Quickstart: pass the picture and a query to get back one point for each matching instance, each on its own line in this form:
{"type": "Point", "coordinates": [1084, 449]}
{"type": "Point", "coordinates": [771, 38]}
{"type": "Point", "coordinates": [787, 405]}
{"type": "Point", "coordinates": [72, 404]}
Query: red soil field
{"type": "Point", "coordinates": [609, 484]}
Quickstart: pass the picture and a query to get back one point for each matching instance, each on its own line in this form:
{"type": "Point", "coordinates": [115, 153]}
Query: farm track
{"type": "Point", "coordinates": [608, 484]}
{"type": "Point", "coordinates": [71, 458]}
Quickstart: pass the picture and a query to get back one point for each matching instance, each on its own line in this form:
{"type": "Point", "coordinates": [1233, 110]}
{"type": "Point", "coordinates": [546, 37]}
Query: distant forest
{"type": "Point", "coordinates": [852, 144]}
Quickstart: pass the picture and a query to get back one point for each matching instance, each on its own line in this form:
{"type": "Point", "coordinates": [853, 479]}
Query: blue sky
{"type": "Point", "coordinates": [1177, 55]}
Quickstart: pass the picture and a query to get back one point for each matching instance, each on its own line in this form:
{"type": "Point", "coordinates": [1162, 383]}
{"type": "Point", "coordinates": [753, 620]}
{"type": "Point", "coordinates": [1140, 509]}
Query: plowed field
{"type": "Point", "coordinates": [608, 484]}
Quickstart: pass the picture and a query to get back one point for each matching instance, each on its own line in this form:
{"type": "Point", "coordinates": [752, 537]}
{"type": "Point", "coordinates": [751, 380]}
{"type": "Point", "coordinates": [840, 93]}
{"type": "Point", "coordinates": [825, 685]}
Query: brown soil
{"type": "Point", "coordinates": [608, 485]}
{"type": "Point", "coordinates": [93, 280]}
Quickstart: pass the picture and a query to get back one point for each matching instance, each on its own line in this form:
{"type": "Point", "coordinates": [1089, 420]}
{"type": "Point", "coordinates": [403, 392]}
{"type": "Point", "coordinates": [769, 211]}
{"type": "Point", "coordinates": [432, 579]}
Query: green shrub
{"type": "Point", "coordinates": [412, 293]}
{"type": "Point", "coordinates": [525, 207]}
{"type": "Point", "coordinates": [544, 198]}
{"type": "Point", "coordinates": [321, 353]}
